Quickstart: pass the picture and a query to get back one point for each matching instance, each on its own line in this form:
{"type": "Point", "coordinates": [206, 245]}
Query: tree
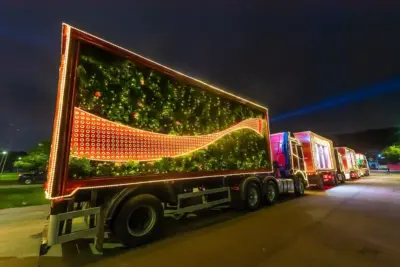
{"type": "Point", "coordinates": [36, 159]}
{"type": "Point", "coordinates": [392, 153]}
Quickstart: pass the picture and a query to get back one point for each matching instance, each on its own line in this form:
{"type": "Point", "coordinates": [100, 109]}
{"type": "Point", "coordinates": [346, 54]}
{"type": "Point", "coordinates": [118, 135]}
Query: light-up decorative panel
{"type": "Point", "coordinates": [95, 138]}
{"type": "Point", "coordinates": [130, 119]}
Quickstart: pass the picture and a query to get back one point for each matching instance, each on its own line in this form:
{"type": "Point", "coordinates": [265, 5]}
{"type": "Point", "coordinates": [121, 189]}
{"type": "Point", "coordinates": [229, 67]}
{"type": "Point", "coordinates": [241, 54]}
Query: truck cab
{"type": "Point", "coordinates": [288, 157]}
{"type": "Point", "coordinates": [348, 156]}
{"type": "Point", "coordinates": [362, 162]}
{"type": "Point", "coordinates": [318, 158]}
{"type": "Point", "coordinates": [340, 171]}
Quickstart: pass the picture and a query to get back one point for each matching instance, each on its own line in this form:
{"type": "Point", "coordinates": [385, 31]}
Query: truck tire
{"type": "Point", "coordinates": [271, 193]}
{"type": "Point", "coordinates": [342, 178]}
{"type": "Point", "coordinates": [299, 186]}
{"type": "Point", "coordinates": [320, 184]}
{"type": "Point", "coordinates": [253, 196]}
{"type": "Point", "coordinates": [139, 221]}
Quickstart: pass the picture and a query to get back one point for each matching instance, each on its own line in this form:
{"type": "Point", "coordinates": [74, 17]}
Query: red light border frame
{"type": "Point", "coordinates": [60, 150]}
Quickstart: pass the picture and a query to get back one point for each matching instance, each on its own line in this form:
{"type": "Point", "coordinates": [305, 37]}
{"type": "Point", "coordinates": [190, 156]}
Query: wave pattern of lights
{"type": "Point", "coordinates": [99, 139]}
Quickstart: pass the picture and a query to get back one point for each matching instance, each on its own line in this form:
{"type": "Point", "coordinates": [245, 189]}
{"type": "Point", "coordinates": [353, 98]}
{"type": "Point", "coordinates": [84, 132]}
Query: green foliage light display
{"type": "Point", "coordinates": [120, 91]}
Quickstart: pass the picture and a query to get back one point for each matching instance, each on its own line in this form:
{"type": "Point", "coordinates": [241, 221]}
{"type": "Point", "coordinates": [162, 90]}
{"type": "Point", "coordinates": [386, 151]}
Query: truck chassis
{"type": "Point", "coordinates": [105, 211]}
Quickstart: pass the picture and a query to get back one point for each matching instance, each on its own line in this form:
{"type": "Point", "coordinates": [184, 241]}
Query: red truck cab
{"type": "Point", "coordinates": [351, 169]}
{"type": "Point", "coordinates": [287, 154]}
{"type": "Point", "coordinates": [319, 159]}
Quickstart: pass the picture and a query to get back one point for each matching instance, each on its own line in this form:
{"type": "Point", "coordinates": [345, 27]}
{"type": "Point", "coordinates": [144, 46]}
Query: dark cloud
{"type": "Point", "coordinates": [286, 56]}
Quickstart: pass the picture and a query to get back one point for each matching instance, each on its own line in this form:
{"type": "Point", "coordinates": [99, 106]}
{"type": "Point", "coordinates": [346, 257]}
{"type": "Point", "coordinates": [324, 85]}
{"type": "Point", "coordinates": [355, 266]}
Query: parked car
{"type": "Point", "coordinates": [32, 178]}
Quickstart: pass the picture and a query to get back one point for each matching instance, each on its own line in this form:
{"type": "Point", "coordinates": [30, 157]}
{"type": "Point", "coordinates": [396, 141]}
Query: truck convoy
{"type": "Point", "coordinates": [349, 162]}
{"type": "Point", "coordinates": [134, 140]}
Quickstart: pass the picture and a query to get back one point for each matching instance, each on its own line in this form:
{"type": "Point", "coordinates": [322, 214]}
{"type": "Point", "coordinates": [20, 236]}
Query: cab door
{"type": "Point", "coordinates": [297, 156]}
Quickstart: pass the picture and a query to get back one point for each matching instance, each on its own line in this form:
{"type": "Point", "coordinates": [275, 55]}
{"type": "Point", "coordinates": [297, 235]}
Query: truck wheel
{"type": "Point", "coordinates": [139, 220]}
{"type": "Point", "coordinates": [253, 196]}
{"type": "Point", "coordinates": [299, 186]}
{"type": "Point", "coordinates": [320, 185]}
{"type": "Point", "coordinates": [335, 180]}
{"type": "Point", "coordinates": [271, 192]}
{"type": "Point", "coordinates": [342, 178]}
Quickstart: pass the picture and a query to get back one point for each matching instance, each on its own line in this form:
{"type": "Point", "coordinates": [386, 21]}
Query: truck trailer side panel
{"type": "Point", "coordinates": [122, 119]}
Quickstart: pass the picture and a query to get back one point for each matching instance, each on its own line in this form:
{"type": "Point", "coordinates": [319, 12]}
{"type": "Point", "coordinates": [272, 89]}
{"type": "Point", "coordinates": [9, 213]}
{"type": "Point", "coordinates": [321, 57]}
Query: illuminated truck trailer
{"type": "Point", "coordinates": [319, 159]}
{"type": "Point", "coordinates": [349, 162]}
{"type": "Point", "coordinates": [362, 163]}
{"type": "Point", "coordinates": [134, 139]}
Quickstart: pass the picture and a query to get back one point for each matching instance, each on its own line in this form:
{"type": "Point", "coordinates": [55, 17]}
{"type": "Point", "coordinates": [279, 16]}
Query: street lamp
{"type": "Point", "coordinates": [3, 162]}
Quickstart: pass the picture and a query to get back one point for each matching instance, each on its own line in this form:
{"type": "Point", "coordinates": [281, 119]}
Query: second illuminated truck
{"type": "Point", "coordinates": [134, 140]}
{"type": "Point", "coordinates": [308, 154]}
{"type": "Point", "coordinates": [351, 168]}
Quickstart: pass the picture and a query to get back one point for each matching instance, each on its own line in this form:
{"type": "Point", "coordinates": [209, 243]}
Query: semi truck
{"type": "Point", "coordinates": [134, 140]}
{"type": "Point", "coordinates": [319, 159]}
{"type": "Point", "coordinates": [340, 170]}
{"type": "Point", "coordinates": [362, 163]}
{"type": "Point", "coordinates": [349, 162]}
{"type": "Point", "coordinates": [287, 156]}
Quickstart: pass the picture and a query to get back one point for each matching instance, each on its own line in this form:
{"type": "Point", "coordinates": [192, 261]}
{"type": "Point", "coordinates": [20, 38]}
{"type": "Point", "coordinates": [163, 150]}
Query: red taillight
{"type": "Point", "coordinates": [235, 188]}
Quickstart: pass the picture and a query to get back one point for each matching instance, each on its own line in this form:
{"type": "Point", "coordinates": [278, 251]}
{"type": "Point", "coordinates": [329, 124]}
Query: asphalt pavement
{"type": "Point", "coordinates": [350, 225]}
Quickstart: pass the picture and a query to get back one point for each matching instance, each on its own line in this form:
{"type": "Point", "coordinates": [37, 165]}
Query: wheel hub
{"type": "Point", "coordinates": [141, 221]}
{"type": "Point", "coordinates": [301, 187]}
{"type": "Point", "coordinates": [252, 196]}
{"type": "Point", "coordinates": [271, 193]}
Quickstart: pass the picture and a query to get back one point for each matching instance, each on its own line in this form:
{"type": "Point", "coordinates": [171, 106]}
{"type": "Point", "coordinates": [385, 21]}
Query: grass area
{"type": "Point", "coordinates": [21, 197]}
{"type": "Point", "coordinates": [9, 176]}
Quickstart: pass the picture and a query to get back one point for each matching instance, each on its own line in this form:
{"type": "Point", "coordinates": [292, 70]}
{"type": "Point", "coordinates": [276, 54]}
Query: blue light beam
{"type": "Point", "coordinates": [358, 95]}
{"type": "Point", "coordinates": [25, 37]}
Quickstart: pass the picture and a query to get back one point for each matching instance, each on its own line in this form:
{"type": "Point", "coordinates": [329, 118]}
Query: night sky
{"type": "Point", "coordinates": [286, 57]}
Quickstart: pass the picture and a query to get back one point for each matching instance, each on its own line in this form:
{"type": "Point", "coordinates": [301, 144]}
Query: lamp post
{"type": "Point", "coordinates": [5, 153]}
{"type": "Point", "coordinates": [19, 159]}
{"type": "Point", "coordinates": [3, 161]}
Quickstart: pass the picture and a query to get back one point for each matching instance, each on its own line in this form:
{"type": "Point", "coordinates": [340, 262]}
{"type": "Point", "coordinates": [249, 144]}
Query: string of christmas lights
{"type": "Point", "coordinates": [95, 138]}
